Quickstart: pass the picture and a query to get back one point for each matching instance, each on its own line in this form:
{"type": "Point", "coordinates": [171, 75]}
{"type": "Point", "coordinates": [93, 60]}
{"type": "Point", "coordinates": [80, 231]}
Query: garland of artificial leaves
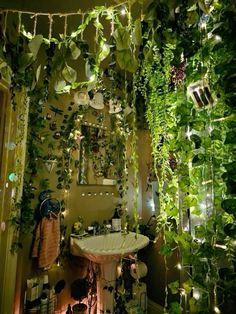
{"type": "Point", "coordinates": [56, 76]}
{"type": "Point", "coordinates": [210, 233]}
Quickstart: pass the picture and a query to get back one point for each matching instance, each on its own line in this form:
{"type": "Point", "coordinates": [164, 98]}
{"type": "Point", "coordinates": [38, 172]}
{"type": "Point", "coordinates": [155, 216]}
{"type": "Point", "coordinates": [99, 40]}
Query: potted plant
{"type": "Point", "coordinates": [79, 291]}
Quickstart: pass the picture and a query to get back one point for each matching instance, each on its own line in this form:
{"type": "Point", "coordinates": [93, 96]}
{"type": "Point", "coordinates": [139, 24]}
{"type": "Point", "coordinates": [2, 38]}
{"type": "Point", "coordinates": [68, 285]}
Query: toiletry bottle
{"type": "Point", "coordinates": [69, 310]}
{"type": "Point", "coordinates": [45, 296]}
{"type": "Point", "coordinates": [116, 221]}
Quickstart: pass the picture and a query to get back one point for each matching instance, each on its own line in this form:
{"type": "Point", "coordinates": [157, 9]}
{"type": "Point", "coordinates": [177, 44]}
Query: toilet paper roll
{"type": "Point", "coordinates": [138, 270]}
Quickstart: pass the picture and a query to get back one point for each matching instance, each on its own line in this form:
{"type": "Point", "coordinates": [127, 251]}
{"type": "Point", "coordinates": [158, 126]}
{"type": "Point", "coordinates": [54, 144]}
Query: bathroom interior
{"type": "Point", "coordinates": [117, 157]}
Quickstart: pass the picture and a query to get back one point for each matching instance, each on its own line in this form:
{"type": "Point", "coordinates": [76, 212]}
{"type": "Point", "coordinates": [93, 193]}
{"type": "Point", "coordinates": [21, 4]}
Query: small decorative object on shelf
{"type": "Point", "coordinates": [78, 226]}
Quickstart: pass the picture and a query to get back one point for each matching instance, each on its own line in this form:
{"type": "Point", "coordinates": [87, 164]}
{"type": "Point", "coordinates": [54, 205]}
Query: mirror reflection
{"type": "Point", "coordinates": [100, 159]}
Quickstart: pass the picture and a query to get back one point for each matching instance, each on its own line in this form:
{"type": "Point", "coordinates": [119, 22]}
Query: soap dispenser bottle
{"type": "Point", "coordinates": [116, 221]}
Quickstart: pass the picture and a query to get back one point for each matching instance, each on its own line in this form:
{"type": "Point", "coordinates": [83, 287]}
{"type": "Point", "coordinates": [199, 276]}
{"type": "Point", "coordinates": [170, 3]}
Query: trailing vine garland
{"type": "Point", "coordinates": [190, 146]}
{"type": "Point", "coordinates": [193, 140]}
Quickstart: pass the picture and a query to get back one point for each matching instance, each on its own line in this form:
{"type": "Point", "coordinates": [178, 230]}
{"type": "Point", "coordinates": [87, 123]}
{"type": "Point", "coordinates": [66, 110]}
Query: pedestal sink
{"type": "Point", "coordinates": [107, 250]}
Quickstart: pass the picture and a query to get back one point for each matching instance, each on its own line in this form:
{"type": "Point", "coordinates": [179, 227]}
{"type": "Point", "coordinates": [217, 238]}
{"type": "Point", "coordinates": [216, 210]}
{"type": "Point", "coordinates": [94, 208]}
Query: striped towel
{"type": "Point", "coordinates": [46, 244]}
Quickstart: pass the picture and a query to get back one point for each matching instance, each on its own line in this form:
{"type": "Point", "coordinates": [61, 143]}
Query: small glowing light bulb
{"type": "Point", "coordinates": [179, 266]}
{"type": "Point", "coordinates": [216, 309]}
{"type": "Point", "coordinates": [92, 78]}
{"type": "Point", "coordinates": [202, 206]}
{"type": "Point", "coordinates": [196, 294]}
{"type": "Point", "coordinates": [123, 11]}
{"type": "Point", "coordinates": [189, 133]}
{"type": "Point", "coordinates": [218, 38]}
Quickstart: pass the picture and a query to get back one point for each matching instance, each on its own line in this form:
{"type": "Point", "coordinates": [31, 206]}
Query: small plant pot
{"type": "Point", "coordinates": [79, 308]}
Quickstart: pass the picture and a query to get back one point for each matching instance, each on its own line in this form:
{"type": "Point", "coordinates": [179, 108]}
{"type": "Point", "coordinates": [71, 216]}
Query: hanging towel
{"type": "Point", "coordinates": [47, 241]}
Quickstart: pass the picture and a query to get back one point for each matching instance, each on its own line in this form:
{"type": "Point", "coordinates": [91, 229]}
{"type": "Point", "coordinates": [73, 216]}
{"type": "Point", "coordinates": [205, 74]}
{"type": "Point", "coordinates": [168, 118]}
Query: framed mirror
{"type": "Point", "coordinates": [101, 155]}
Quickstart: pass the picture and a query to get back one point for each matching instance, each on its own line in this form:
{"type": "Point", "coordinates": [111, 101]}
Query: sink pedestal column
{"type": "Point", "coordinates": [106, 288]}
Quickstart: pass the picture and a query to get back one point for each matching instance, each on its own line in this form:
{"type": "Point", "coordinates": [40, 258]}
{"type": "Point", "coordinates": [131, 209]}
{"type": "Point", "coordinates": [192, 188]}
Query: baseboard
{"type": "Point", "coordinates": [154, 308]}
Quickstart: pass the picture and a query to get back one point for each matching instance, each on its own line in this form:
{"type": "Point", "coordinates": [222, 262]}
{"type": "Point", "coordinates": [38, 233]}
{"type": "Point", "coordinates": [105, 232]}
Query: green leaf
{"type": "Point", "coordinates": [231, 167]}
{"type": "Point", "coordinates": [187, 285]}
{"type": "Point", "coordinates": [196, 139]}
{"type": "Point", "coordinates": [200, 231]}
{"type": "Point", "coordinates": [230, 138]}
{"type": "Point", "coordinates": [189, 201]}
{"type": "Point", "coordinates": [69, 74]}
{"type": "Point", "coordinates": [122, 38]}
{"type": "Point", "coordinates": [37, 74]}
{"type": "Point", "coordinates": [35, 44]}
{"type": "Point", "coordinates": [229, 205]}
{"type": "Point", "coordinates": [216, 135]}
{"type": "Point", "coordinates": [184, 240]}
{"type": "Point", "coordinates": [105, 50]}
{"type": "Point", "coordinates": [175, 308]}
{"type": "Point", "coordinates": [25, 60]}
{"type": "Point", "coordinates": [174, 287]}
{"type": "Point", "coordinates": [126, 61]}
{"type": "Point", "coordinates": [59, 86]}
{"type": "Point", "coordinates": [75, 51]}
{"type": "Point", "coordinates": [193, 304]}
{"type": "Point", "coordinates": [137, 33]}
{"type": "Point", "coordinates": [166, 250]}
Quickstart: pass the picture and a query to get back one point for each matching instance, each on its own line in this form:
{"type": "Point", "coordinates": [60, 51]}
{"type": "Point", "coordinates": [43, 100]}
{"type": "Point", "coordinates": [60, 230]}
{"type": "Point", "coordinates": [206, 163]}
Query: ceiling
{"type": "Point", "coordinates": [53, 6]}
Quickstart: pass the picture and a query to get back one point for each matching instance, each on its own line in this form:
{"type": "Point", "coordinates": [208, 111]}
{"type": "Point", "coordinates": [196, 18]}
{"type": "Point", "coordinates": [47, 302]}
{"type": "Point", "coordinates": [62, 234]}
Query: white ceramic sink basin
{"type": "Point", "coordinates": [109, 247]}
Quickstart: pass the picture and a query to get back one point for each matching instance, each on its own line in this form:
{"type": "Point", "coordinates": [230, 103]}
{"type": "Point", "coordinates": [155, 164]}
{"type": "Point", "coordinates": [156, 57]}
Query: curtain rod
{"type": "Point", "coordinates": [79, 12]}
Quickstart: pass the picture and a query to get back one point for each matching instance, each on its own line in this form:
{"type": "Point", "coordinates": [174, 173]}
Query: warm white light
{"type": "Point", "coordinates": [218, 38]}
{"type": "Point", "coordinates": [196, 294]}
{"type": "Point", "coordinates": [220, 246]}
{"type": "Point", "coordinates": [182, 292]}
{"type": "Point", "coordinates": [234, 243]}
{"type": "Point", "coordinates": [202, 206]}
{"type": "Point", "coordinates": [206, 182]}
{"type": "Point", "coordinates": [119, 270]}
{"type": "Point", "coordinates": [92, 78]}
{"type": "Point", "coordinates": [188, 134]}
{"type": "Point", "coordinates": [203, 25]}
{"type": "Point", "coordinates": [151, 205]}
{"type": "Point", "coordinates": [123, 11]}
{"type": "Point", "coordinates": [179, 266]}
{"type": "Point", "coordinates": [66, 212]}
{"type": "Point", "coordinates": [216, 309]}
